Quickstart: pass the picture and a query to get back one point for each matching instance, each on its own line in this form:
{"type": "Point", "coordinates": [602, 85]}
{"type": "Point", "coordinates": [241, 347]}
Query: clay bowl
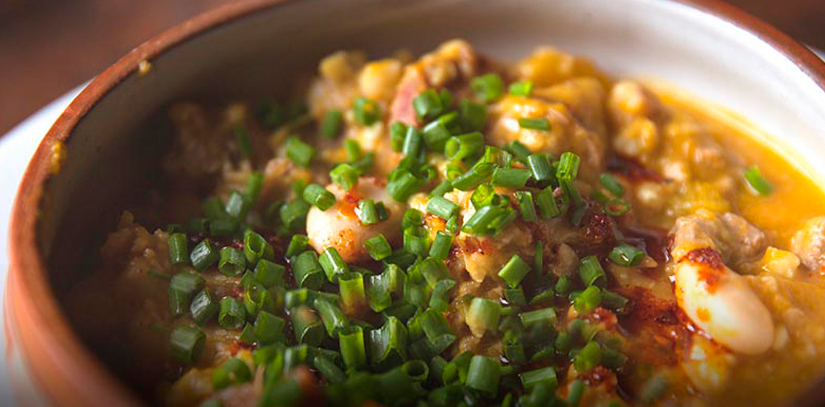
{"type": "Point", "coordinates": [94, 157]}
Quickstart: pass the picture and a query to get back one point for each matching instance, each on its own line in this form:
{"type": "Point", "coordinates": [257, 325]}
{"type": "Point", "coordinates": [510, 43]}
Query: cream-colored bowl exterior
{"type": "Point", "coordinates": [254, 47]}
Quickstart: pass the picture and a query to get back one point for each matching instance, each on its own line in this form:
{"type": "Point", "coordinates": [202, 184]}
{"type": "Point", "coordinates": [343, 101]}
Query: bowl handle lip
{"type": "Point", "coordinates": [27, 270]}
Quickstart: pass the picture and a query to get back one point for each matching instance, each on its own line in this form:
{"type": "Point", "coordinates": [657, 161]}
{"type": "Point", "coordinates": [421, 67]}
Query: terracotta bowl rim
{"type": "Point", "coordinates": [29, 293]}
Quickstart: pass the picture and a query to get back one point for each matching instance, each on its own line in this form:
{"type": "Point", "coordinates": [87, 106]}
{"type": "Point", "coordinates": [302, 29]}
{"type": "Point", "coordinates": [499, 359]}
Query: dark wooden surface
{"type": "Point", "coordinates": [49, 46]}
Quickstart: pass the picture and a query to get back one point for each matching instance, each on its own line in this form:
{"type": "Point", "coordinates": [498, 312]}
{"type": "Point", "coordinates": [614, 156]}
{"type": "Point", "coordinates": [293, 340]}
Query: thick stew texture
{"type": "Point", "coordinates": [453, 230]}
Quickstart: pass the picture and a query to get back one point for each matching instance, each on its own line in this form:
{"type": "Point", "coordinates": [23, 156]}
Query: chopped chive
{"type": "Point", "coordinates": [588, 299]}
{"type": "Point", "coordinates": [442, 188]}
{"type": "Point", "coordinates": [366, 110]}
{"type": "Point", "coordinates": [452, 224]}
{"type": "Point", "coordinates": [319, 196]}
{"type": "Point", "coordinates": [237, 205]}
{"type": "Point", "coordinates": [519, 150]}
{"type": "Point", "coordinates": [539, 123]}
{"type": "Point", "coordinates": [332, 124]}
{"type": "Point", "coordinates": [388, 345]}
{"type": "Point", "coordinates": [474, 177]}
{"type": "Point", "coordinates": [488, 87]}
{"type": "Point", "coordinates": [526, 206]}
{"type": "Point", "coordinates": [483, 315]}
{"type": "Point", "coordinates": [464, 146]}
{"type": "Point", "coordinates": [233, 371]}
{"type": "Point", "coordinates": [204, 255]}
{"type": "Point", "coordinates": [333, 264]}
{"type": "Point", "coordinates": [611, 184]}
{"type": "Point", "coordinates": [544, 375]}
{"type": "Point", "coordinates": [353, 149]}
{"type": "Point", "coordinates": [417, 240]}
{"type": "Point", "coordinates": [178, 248]}
{"type": "Point", "coordinates": [253, 186]}
{"type": "Point", "coordinates": [368, 212]}
{"type": "Point", "coordinates": [439, 299]}
{"type": "Point", "coordinates": [353, 294]}
{"type": "Point", "coordinates": [187, 343]}
{"type": "Point", "coordinates": [436, 135]}
{"type": "Point", "coordinates": [344, 175]}
{"type": "Point", "coordinates": [203, 307]}
{"type": "Point", "coordinates": [472, 116]}
{"type": "Point", "coordinates": [332, 316]}
{"type": "Point", "coordinates": [353, 347]}
{"type": "Point", "coordinates": [293, 213]}
{"type": "Point", "coordinates": [442, 207]}
{"type": "Point", "coordinates": [442, 243]}
{"type": "Point", "coordinates": [757, 182]}
{"type": "Point", "coordinates": [626, 255]}
{"type": "Point", "coordinates": [479, 222]}
{"type": "Point", "coordinates": [588, 357]}
{"type": "Point", "coordinates": [514, 271]}
{"type": "Point", "coordinates": [328, 369]}
{"type": "Point", "coordinates": [546, 201]}
{"type": "Point", "coordinates": [613, 301]}
{"type": "Point", "coordinates": [182, 287]}
{"type": "Point", "coordinates": [616, 207]}
{"type": "Point", "coordinates": [255, 247]}
{"type": "Point", "coordinates": [484, 374]}
{"type": "Point", "coordinates": [427, 104]}
{"type": "Point", "coordinates": [575, 392]}
{"type": "Point", "coordinates": [268, 328]}
{"type": "Point", "coordinates": [402, 187]}
{"type": "Point", "coordinates": [378, 247]}
{"type": "Point", "coordinates": [398, 132]}
{"type": "Point", "coordinates": [413, 141]}
{"type": "Point", "coordinates": [544, 316]}
{"type": "Point", "coordinates": [511, 177]}
{"type": "Point", "coordinates": [299, 152]}
{"type": "Point", "coordinates": [523, 88]}
{"type": "Point", "coordinates": [591, 272]}
{"type": "Point", "coordinates": [540, 167]}
{"type": "Point", "coordinates": [563, 285]}
{"type": "Point", "coordinates": [232, 314]}
{"type": "Point", "coordinates": [232, 261]}
{"type": "Point", "coordinates": [568, 167]}
{"type": "Point", "coordinates": [307, 270]}
{"type": "Point", "coordinates": [297, 244]}
{"type": "Point", "coordinates": [307, 326]}
{"type": "Point", "coordinates": [269, 274]}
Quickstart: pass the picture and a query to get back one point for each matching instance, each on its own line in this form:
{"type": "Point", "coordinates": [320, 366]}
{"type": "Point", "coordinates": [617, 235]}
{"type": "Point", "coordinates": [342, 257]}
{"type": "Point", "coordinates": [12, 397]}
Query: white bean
{"type": "Point", "coordinates": [339, 226]}
{"type": "Point", "coordinates": [722, 304]}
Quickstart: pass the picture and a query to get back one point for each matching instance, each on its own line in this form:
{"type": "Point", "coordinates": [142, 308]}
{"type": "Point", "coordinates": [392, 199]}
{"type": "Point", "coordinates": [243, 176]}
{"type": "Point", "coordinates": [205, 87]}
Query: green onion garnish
{"type": "Point", "coordinates": [474, 177]}
{"type": "Point", "coordinates": [483, 375]}
{"type": "Point", "coordinates": [332, 316]}
{"type": "Point", "coordinates": [546, 201]}
{"type": "Point", "coordinates": [413, 142]}
{"type": "Point", "coordinates": [588, 299]}
{"type": "Point", "coordinates": [591, 272]}
{"type": "Point", "coordinates": [403, 186]}
{"type": "Point", "coordinates": [204, 255]}
{"type": "Point", "coordinates": [568, 167]}
{"type": "Point", "coordinates": [542, 317]}
{"type": "Point", "coordinates": [367, 212]}
{"type": "Point", "coordinates": [526, 206]}
{"type": "Point", "coordinates": [427, 104]}
{"type": "Point", "coordinates": [237, 205]}
{"type": "Point", "coordinates": [232, 314]}
{"type": "Point", "coordinates": [626, 255]}
{"type": "Point", "coordinates": [178, 249]}
{"type": "Point", "coordinates": [255, 247]}
{"type": "Point", "coordinates": [332, 124]}
{"type": "Point", "coordinates": [344, 175]}
{"type": "Point", "coordinates": [333, 264]}
{"type": "Point", "coordinates": [398, 132]}
{"type": "Point", "coordinates": [488, 87]}
{"type": "Point", "coordinates": [521, 88]}
{"type": "Point", "coordinates": [319, 196]}
{"type": "Point", "coordinates": [442, 188]}
{"type": "Point", "coordinates": [307, 270]}
{"type": "Point", "coordinates": [539, 123]}
{"type": "Point", "coordinates": [540, 167]}
{"type": "Point", "coordinates": [353, 294]}
{"type": "Point", "coordinates": [616, 207]}
{"type": "Point", "coordinates": [234, 371]}
{"type": "Point", "coordinates": [353, 348]}
{"type": "Point", "coordinates": [588, 357]}
{"type": "Point", "coordinates": [268, 328]}
{"type": "Point", "coordinates": [544, 375]}
{"type": "Point", "coordinates": [514, 271]}
{"type": "Point", "coordinates": [269, 274]}
{"type": "Point", "coordinates": [378, 247]}
{"type": "Point", "coordinates": [307, 326]}
{"type": "Point", "coordinates": [232, 261]}
{"type": "Point", "coordinates": [182, 287]}
{"type": "Point", "coordinates": [511, 177]}
{"type": "Point", "coordinates": [388, 345]}
{"type": "Point", "coordinates": [417, 241]}
{"type": "Point", "coordinates": [297, 244]}
{"type": "Point", "coordinates": [366, 110]}
{"type": "Point", "coordinates": [299, 152]}
{"type": "Point", "coordinates": [483, 315]}
{"type": "Point", "coordinates": [611, 184]}
{"type": "Point", "coordinates": [575, 392]}
{"type": "Point", "coordinates": [442, 207]}
{"type": "Point", "coordinates": [464, 146]}
{"type": "Point", "coordinates": [436, 135]}
{"type": "Point", "coordinates": [187, 343]}
{"type": "Point", "coordinates": [440, 248]}
{"type": "Point", "coordinates": [756, 181]}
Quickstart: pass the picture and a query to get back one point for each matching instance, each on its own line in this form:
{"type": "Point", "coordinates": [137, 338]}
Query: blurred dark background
{"type": "Point", "coordinates": [47, 47]}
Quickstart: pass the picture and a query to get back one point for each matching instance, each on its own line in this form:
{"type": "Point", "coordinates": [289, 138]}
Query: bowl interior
{"type": "Point", "coordinates": [112, 150]}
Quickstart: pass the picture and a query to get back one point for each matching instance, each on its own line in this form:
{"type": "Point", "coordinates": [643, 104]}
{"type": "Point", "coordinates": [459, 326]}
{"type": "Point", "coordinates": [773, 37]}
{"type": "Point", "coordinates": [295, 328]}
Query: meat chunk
{"type": "Point", "coordinates": [452, 62]}
{"type": "Point", "coordinates": [729, 234]}
{"type": "Point", "coordinates": [809, 244]}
